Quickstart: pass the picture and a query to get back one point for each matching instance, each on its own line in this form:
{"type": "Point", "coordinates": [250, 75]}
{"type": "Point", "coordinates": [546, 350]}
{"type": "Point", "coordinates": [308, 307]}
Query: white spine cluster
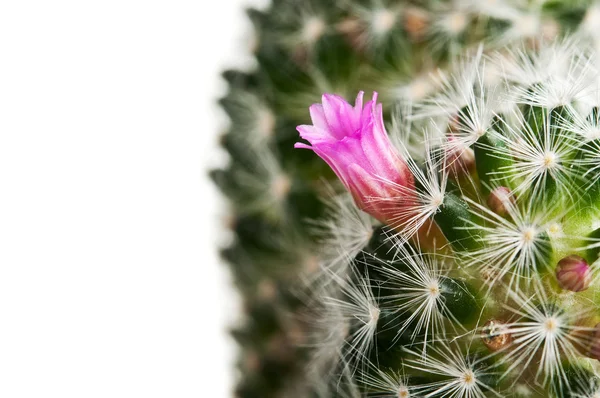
{"type": "Point", "coordinates": [540, 114]}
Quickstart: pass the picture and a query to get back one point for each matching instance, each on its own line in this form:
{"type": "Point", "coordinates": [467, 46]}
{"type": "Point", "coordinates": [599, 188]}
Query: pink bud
{"type": "Point", "coordinates": [501, 200]}
{"type": "Point", "coordinates": [573, 273]}
{"type": "Point", "coordinates": [353, 141]}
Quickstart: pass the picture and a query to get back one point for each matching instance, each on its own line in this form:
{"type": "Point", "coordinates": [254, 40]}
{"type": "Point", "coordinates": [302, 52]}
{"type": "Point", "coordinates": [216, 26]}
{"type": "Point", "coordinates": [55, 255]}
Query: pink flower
{"type": "Point", "coordinates": [573, 273]}
{"type": "Point", "coordinates": [353, 141]}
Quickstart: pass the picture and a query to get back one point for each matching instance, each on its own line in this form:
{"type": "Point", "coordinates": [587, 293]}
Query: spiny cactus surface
{"type": "Point", "coordinates": [435, 231]}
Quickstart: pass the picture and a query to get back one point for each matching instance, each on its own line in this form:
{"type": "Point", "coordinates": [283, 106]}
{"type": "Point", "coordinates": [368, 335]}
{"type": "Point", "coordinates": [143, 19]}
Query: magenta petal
{"type": "Point", "coordinates": [314, 134]}
{"type": "Point", "coordinates": [358, 103]}
{"type": "Point", "coordinates": [376, 156]}
{"type": "Point", "coordinates": [318, 116]}
{"type": "Point", "coordinates": [380, 154]}
{"type": "Point", "coordinates": [378, 119]}
{"type": "Point", "coordinates": [375, 96]}
{"type": "Point", "coordinates": [364, 184]}
{"type": "Point", "coordinates": [357, 111]}
{"type": "Point", "coordinates": [334, 108]}
{"type": "Point", "coordinates": [338, 164]}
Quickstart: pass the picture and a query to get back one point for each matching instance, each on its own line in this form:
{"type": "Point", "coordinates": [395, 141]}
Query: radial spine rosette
{"type": "Point", "coordinates": [518, 246]}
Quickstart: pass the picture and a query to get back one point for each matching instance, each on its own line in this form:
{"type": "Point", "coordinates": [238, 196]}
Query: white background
{"type": "Point", "coordinates": [110, 284]}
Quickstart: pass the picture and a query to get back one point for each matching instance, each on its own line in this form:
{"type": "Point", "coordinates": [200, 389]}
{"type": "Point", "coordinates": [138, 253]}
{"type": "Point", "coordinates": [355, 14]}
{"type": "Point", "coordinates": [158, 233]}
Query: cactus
{"type": "Point", "coordinates": [438, 240]}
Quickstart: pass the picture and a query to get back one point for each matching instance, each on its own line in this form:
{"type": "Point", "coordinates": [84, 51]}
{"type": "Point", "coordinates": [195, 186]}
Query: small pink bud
{"type": "Point", "coordinates": [353, 141]}
{"type": "Point", "coordinates": [573, 273]}
{"type": "Point", "coordinates": [501, 200]}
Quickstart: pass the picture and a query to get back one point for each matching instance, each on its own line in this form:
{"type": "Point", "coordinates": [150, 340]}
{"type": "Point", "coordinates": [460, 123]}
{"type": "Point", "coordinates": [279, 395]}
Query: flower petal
{"type": "Point", "coordinates": [318, 116]}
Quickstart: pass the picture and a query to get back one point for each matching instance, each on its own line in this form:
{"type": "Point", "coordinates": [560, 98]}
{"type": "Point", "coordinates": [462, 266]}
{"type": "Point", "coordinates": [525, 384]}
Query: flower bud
{"type": "Point", "coordinates": [501, 200]}
{"type": "Point", "coordinates": [573, 273]}
{"type": "Point", "coordinates": [353, 141]}
{"type": "Point", "coordinates": [495, 337]}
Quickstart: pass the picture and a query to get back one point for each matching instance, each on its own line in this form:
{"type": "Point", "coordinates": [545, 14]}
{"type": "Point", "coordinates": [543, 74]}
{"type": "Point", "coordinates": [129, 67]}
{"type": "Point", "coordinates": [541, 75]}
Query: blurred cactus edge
{"type": "Point", "coordinates": [414, 191]}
